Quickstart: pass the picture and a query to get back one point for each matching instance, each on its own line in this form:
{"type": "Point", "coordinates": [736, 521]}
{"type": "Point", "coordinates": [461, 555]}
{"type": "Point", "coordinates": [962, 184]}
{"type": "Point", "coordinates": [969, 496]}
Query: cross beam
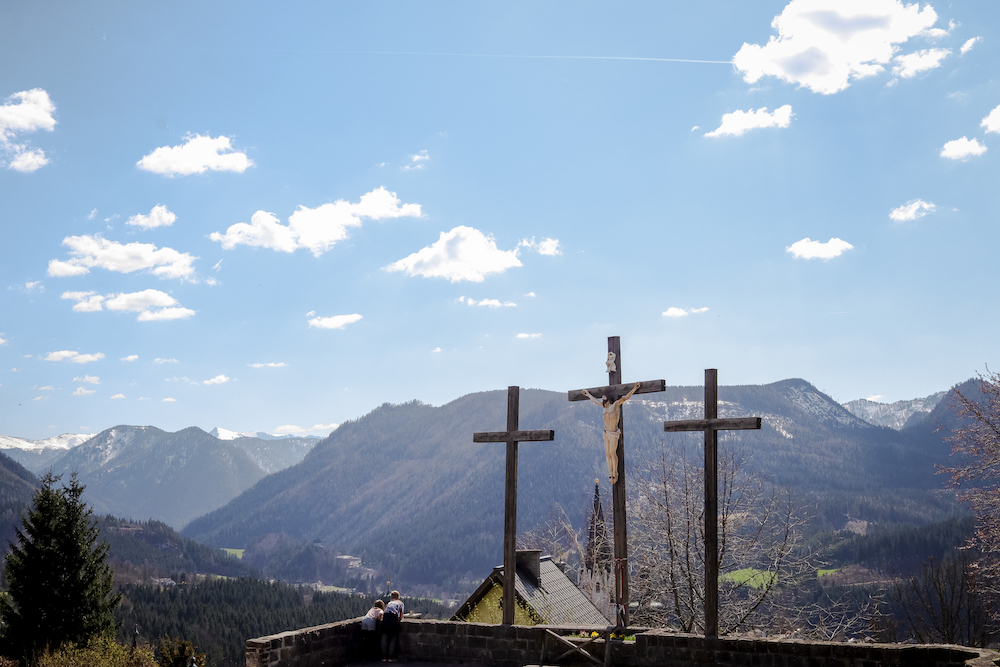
{"type": "Point", "coordinates": [711, 425]}
{"type": "Point", "coordinates": [615, 390]}
{"type": "Point", "coordinates": [511, 436]}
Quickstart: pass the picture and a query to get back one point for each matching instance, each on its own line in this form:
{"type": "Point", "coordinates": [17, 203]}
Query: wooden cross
{"type": "Point", "coordinates": [614, 391]}
{"type": "Point", "coordinates": [711, 425]}
{"type": "Point", "coordinates": [511, 436]}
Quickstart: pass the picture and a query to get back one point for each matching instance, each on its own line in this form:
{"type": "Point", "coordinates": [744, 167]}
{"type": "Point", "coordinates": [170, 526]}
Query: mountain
{"type": "Point", "coordinates": [894, 415]}
{"type": "Point", "coordinates": [270, 453]}
{"type": "Point", "coordinates": [142, 472]}
{"type": "Point", "coordinates": [38, 455]}
{"type": "Point", "coordinates": [405, 488]}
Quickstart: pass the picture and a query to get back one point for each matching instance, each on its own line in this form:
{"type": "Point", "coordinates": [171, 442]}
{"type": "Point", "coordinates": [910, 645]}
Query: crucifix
{"type": "Point", "coordinates": [611, 398]}
{"type": "Point", "coordinates": [511, 436]}
{"type": "Point", "coordinates": [711, 425]}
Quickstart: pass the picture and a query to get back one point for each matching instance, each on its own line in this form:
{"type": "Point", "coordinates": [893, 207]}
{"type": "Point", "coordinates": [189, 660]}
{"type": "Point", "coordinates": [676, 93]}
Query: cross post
{"type": "Point", "coordinates": [711, 425]}
{"type": "Point", "coordinates": [613, 392]}
{"type": "Point", "coordinates": [511, 436]}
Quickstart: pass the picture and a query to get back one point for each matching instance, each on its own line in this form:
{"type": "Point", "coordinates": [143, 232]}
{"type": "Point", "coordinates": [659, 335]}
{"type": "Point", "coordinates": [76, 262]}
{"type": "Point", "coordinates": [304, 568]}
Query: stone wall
{"type": "Point", "coordinates": [505, 646]}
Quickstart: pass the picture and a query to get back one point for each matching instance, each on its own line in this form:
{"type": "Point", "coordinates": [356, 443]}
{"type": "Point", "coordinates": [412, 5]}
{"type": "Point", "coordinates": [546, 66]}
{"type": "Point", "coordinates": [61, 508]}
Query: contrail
{"type": "Point", "coordinates": [498, 55]}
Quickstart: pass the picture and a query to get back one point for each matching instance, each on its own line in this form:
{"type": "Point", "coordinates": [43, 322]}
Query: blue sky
{"type": "Point", "coordinates": [276, 218]}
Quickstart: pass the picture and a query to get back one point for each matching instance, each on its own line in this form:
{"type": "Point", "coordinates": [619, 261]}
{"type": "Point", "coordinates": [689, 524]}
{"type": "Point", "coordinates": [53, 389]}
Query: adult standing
{"type": "Point", "coordinates": [391, 621]}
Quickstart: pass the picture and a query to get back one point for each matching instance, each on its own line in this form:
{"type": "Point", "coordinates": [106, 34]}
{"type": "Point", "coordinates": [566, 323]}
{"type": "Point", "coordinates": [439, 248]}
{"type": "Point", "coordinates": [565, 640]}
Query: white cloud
{"type": "Point", "coordinates": [317, 229]}
{"type": "Point", "coordinates": [809, 249]}
{"type": "Point", "coordinates": [28, 160]}
{"type": "Point", "coordinates": [544, 247]}
{"type": "Point", "coordinates": [911, 210]}
{"type": "Point", "coordinates": [741, 122]}
{"type": "Point", "coordinates": [24, 112]}
{"type": "Point", "coordinates": [34, 285]}
{"type": "Point", "coordinates": [992, 121]}
{"type": "Point", "coordinates": [824, 45]}
{"type": "Point", "coordinates": [74, 356]}
{"type": "Point", "coordinates": [530, 294]}
{"type": "Point", "coordinates": [271, 364]}
{"type": "Point", "coordinates": [47, 387]}
{"type": "Point", "coordinates": [436, 349]}
{"type": "Point", "coordinates": [325, 427]}
{"type": "Point", "coordinates": [87, 252]}
{"type": "Point", "coordinates": [3, 341]}
{"type": "Point", "coordinates": [164, 361]}
{"type": "Point", "coordinates": [218, 379]}
{"type": "Point", "coordinates": [170, 400]}
{"type": "Point", "coordinates": [491, 303]}
{"type": "Point", "coordinates": [196, 155]}
{"type": "Point", "coordinates": [116, 396]}
{"type": "Point", "coordinates": [969, 43]}
{"type": "Point", "coordinates": [874, 397]}
{"type": "Point", "coordinates": [912, 64]}
{"type": "Point", "coordinates": [418, 161]}
{"type": "Point", "coordinates": [92, 214]}
{"type": "Point", "coordinates": [673, 311]}
{"type": "Point", "coordinates": [91, 379]}
{"type": "Point", "coordinates": [152, 305]}
{"type": "Point", "coordinates": [159, 216]}
{"type": "Point", "coordinates": [529, 335]}
{"type": "Point", "coordinates": [335, 322]}
{"type": "Point", "coordinates": [962, 149]}
{"type": "Point", "coordinates": [40, 398]}
{"type": "Point", "coordinates": [131, 357]}
{"type": "Point", "coordinates": [80, 391]}
{"type": "Point", "coordinates": [464, 253]}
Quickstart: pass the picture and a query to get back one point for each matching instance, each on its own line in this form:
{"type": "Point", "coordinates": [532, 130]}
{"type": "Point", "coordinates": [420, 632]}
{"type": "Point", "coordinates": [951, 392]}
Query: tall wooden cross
{"type": "Point", "coordinates": [711, 425]}
{"type": "Point", "coordinates": [511, 436]}
{"type": "Point", "coordinates": [614, 391]}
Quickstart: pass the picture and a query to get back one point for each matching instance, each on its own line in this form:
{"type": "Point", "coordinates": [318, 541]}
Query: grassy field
{"type": "Point", "coordinates": [234, 552]}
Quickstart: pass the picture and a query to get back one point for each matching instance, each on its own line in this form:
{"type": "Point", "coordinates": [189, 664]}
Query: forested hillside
{"type": "Point", "coordinates": [405, 488]}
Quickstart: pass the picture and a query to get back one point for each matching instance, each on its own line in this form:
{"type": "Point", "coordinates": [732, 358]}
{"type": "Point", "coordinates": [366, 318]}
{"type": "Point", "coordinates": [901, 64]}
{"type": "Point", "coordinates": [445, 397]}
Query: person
{"type": "Point", "coordinates": [612, 432]}
{"type": "Point", "coordinates": [369, 628]}
{"type": "Point", "coordinates": [391, 620]}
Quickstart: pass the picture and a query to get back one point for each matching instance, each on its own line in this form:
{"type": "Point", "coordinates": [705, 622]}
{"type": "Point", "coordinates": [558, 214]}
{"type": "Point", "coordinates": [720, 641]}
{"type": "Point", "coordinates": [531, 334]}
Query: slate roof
{"type": "Point", "coordinates": [554, 598]}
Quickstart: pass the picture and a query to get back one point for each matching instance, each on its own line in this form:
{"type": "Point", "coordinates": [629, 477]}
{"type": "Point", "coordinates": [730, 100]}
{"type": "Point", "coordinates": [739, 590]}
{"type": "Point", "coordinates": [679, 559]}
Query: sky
{"type": "Point", "coordinates": [269, 217]}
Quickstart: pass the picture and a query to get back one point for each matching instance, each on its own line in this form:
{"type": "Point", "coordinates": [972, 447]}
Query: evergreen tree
{"type": "Point", "coordinates": [59, 581]}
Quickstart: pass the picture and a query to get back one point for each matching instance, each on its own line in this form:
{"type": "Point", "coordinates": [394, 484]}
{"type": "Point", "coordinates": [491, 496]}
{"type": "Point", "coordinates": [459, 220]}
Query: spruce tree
{"type": "Point", "coordinates": [60, 585]}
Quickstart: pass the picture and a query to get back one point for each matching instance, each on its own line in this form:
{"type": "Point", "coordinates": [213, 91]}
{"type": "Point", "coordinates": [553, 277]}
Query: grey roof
{"type": "Point", "coordinates": [555, 599]}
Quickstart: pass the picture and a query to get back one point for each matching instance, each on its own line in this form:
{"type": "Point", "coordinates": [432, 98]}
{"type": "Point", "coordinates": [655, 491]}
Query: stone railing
{"type": "Point", "coordinates": [514, 646]}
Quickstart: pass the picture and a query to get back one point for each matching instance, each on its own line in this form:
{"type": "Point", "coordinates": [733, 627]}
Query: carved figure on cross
{"type": "Point", "coordinates": [612, 425]}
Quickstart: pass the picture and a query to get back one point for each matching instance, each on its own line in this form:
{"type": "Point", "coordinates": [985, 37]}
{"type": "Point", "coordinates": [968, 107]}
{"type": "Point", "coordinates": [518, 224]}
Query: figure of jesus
{"type": "Point", "coordinates": [612, 432]}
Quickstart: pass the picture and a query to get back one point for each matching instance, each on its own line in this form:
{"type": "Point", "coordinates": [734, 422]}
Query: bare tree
{"type": "Point", "coordinates": [555, 537]}
{"type": "Point", "coordinates": [976, 476]}
{"type": "Point", "coordinates": [759, 541]}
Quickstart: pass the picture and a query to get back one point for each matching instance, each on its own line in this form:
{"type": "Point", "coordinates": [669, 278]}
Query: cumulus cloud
{"type": "Point", "coordinates": [75, 357]}
{"type": "Point", "coordinates": [824, 45]}
{"type": "Point", "coordinates": [490, 303]}
{"type": "Point", "coordinates": [911, 210]}
{"type": "Point", "coordinates": [91, 379]}
{"type": "Point", "coordinates": [131, 357]}
{"type": "Point", "coordinates": [992, 121]}
{"type": "Point", "coordinates": [3, 341]}
{"type": "Point", "coordinates": [740, 122]}
{"type": "Point", "coordinates": [316, 229]}
{"type": "Point", "coordinates": [912, 64]}
{"type": "Point", "coordinates": [164, 361]}
{"type": "Point", "coordinates": [218, 379]}
{"type": "Point", "coordinates": [152, 305]}
{"type": "Point", "coordinates": [809, 249]}
{"type": "Point", "coordinates": [529, 335]}
{"type": "Point", "coordinates": [436, 349]}
{"type": "Point", "coordinates": [418, 161]}
{"type": "Point", "coordinates": [963, 149]}
{"type": "Point", "coordinates": [25, 112]}
{"type": "Point", "coordinates": [87, 252]}
{"type": "Point", "coordinates": [81, 391]}
{"type": "Point", "coordinates": [673, 311]}
{"type": "Point", "coordinates": [116, 396]}
{"type": "Point", "coordinates": [544, 247]}
{"type": "Point", "coordinates": [335, 322]}
{"type": "Point", "coordinates": [159, 216]}
{"type": "Point", "coordinates": [969, 43]}
{"type": "Point", "coordinates": [196, 155]}
{"type": "Point", "coordinates": [170, 400]}
{"type": "Point", "coordinates": [464, 253]}
{"type": "Point", "coordinates": [35, 285]}
{"type": "Point", "coordinates": [291, 429]}
{"type": "Point", "coordinates": [271, 364]}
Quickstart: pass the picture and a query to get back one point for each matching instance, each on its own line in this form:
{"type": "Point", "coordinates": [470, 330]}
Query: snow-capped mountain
{"type": "Point", "coordinates": [226, 434]}
{"type": "Point", "coordinates": [894, 415]}
{"type": "Point", "coordinates": [37, 455]}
